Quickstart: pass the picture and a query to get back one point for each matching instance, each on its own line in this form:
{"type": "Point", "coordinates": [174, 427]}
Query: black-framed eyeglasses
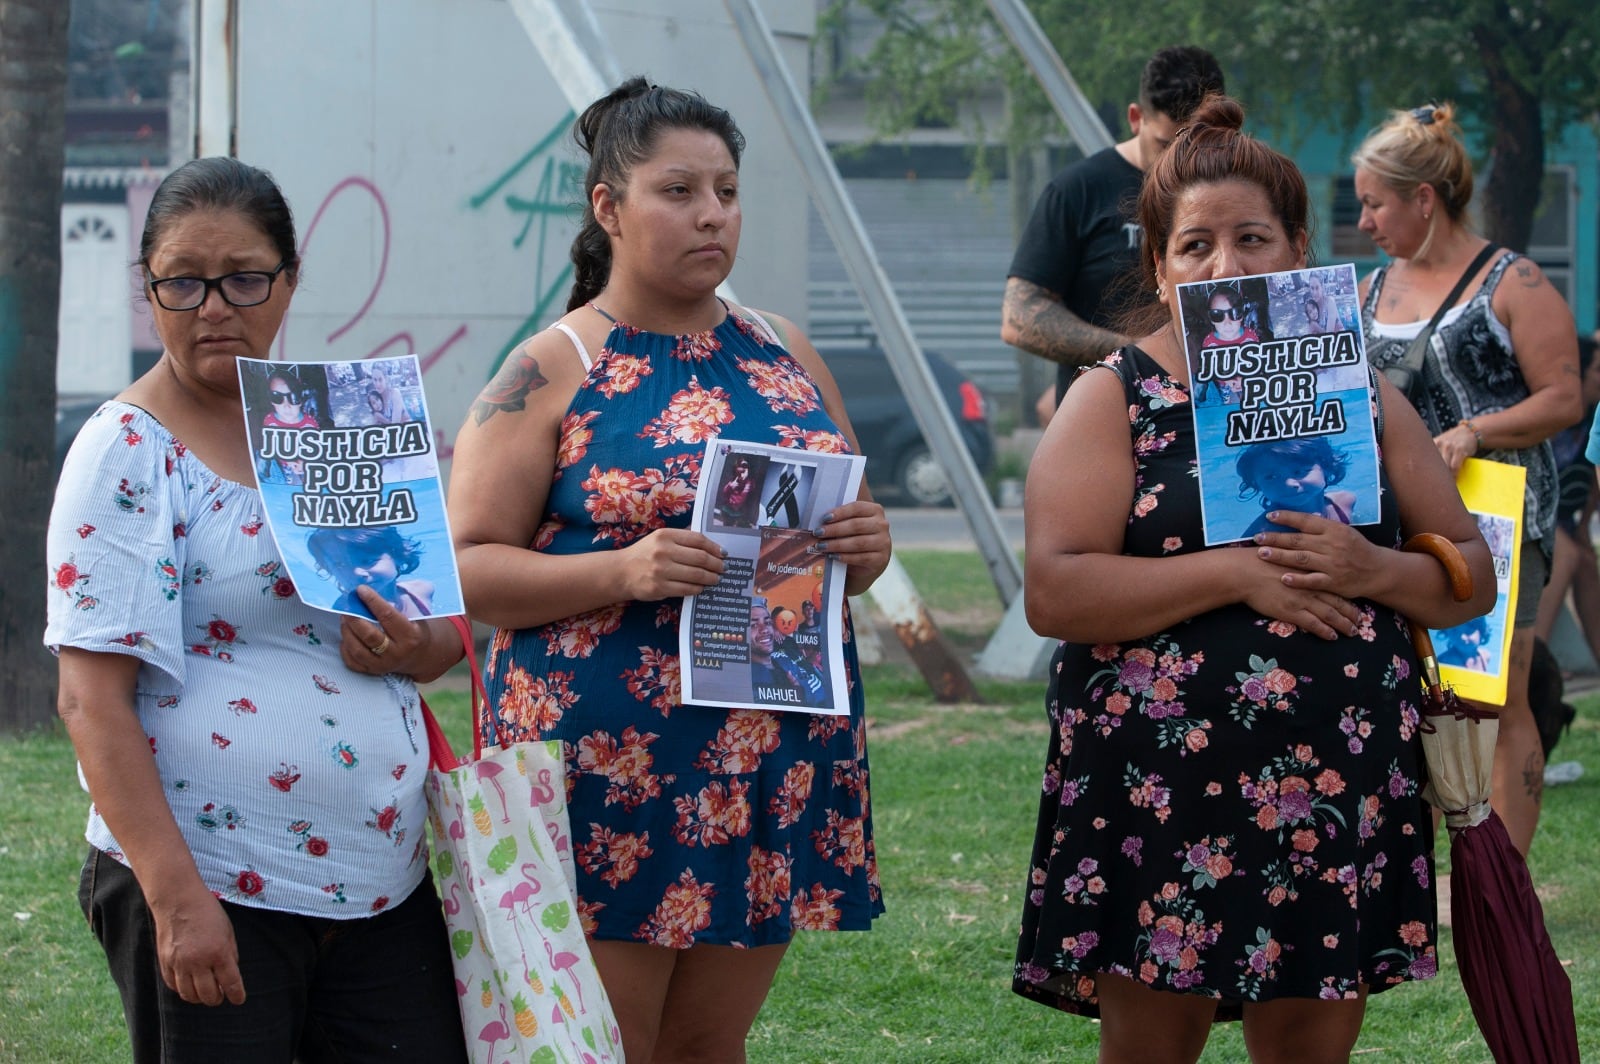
{"type": "Point", "coordinates": [1230, 313]}
{"type": "Point", "coordinates": [248, 288]}
{"type": "Point", "coordinates": [1424, 115]}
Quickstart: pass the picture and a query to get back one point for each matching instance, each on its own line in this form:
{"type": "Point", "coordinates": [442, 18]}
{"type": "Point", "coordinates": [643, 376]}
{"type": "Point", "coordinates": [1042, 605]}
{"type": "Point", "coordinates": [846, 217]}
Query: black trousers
{"type": "Point", "coordinates": [317, 990]}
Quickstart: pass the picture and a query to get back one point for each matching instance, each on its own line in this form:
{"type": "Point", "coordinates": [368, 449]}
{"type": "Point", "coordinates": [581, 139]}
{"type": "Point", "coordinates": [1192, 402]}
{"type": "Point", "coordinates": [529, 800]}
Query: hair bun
{"type": "Point", "coordinates": [1219, 112]}
{"type": "Point", "coordinates": [589, 124]}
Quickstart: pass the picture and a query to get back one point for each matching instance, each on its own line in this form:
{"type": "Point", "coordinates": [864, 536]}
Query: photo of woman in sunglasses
{"type": "Point", "coordinates": [290, 403]}
{"type": "Point", "coordinates": [1229, 317]}
{"type": "Point", "coordinates": [1232, 319]}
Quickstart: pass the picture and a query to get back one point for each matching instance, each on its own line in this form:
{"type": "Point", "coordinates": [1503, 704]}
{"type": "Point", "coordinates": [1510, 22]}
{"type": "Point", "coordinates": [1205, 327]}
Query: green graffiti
{"type": "Point", "coordinates": [557, 189]}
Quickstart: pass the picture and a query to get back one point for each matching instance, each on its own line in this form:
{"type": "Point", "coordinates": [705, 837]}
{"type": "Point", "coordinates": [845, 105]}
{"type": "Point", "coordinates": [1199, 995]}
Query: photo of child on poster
{"type": "Point", "coordinates": [350, 491]}
{"type": "Point", "coordinates": [375, 557]}
{"type": "Point", "coordinates": [1481, 644]}
{"type": "Point", "coordinates": [765, 636]}
{"type": "Point", "coordinates": [1280, 400]}
{"type": "Point", "coordinates": [1294, 474]}
{"type": "Point", "coordinates": [739, 493]}
{"type": "Point", "coordinates": [283, 396]}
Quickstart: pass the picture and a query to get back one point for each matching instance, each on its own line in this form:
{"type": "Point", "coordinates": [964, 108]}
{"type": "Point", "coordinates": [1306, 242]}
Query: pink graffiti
{"type": "Point", "coordinates": [402, 339]}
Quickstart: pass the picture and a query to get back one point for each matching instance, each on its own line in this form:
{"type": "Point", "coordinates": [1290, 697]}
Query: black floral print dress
{"type": "Point", "coordinates": [1231, 807]}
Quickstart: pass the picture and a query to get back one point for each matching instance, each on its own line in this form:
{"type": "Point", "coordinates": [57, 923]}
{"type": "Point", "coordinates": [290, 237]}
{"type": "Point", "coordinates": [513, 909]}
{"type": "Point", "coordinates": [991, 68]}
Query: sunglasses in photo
{"type": "Point", "coordinates": [1230, 313]}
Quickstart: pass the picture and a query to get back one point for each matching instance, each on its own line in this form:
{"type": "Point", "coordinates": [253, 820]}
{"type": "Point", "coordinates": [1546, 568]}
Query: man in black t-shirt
{"type": "Point", "coordinates": [1082, 236]}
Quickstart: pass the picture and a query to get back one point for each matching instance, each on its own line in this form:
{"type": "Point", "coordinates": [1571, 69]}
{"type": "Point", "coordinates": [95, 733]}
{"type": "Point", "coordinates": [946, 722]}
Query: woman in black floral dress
{"type": "Point", "coordinates": [1231, 821]}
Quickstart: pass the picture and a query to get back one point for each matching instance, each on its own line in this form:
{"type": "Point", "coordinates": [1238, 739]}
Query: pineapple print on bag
{"type": "Point", "coordinates": [506, 894]}
{"type": "Point", "coordinates": [523, 1016]}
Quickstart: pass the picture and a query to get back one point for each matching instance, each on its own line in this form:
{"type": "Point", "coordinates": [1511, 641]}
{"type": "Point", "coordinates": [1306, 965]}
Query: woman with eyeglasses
{"type": "Point", "coordinates": [1230, 818]}
{"type": "Point", "coordinates": [257, 871]}
{"type": "Point", "coordinates": [1498, 377]}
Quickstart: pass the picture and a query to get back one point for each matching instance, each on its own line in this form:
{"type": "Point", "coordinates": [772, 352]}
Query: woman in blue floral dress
{"type": "Point", "coordinates": [1231, 821]}
{"type": "Point", "coordinates": [703, 837]}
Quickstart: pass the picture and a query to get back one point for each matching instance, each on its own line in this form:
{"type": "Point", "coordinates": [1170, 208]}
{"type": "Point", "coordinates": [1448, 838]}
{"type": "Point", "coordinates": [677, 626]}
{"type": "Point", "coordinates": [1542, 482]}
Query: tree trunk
{"type": "Point", "coordinates": [1516, 153]}
{"type": "Point", "coordinates": [33, 89]}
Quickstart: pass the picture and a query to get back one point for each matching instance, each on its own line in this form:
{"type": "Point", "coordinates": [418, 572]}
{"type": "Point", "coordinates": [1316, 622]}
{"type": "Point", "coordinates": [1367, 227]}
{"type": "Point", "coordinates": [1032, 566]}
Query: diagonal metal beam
{"type": "Point", "coordinates": [910, 368]}
{"type": "Point", "coordinates": [1022, 30]}
{"type": "Point", "coordinates": [1014, 650]}
{"type": "Point", "coordinates": [572, 47]}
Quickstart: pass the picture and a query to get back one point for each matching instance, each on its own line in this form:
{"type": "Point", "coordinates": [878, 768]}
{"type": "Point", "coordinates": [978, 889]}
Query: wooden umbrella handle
{"type": "Point", "coordinates": [1449, 556]}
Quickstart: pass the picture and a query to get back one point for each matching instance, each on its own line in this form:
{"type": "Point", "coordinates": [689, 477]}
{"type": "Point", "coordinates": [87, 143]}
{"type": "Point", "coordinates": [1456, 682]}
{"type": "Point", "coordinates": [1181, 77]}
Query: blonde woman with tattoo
{"type": "Point", "coordinates": [1498, 378]}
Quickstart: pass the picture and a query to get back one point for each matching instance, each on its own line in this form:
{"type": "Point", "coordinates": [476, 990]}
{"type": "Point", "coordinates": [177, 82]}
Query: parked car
{"type": "Point", "coordinates": [901, 466]}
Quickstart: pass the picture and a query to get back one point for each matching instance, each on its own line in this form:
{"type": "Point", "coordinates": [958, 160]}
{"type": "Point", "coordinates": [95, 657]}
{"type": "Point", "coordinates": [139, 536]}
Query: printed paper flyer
{"type": "Point", "coordinates": [769, 635]}
{"type": "Point", "coordinates": [1278, 386]}
{"type": "Point", "coordinates": [1475, 657]}
{"type": "Point", "coordinates": [347, 467]}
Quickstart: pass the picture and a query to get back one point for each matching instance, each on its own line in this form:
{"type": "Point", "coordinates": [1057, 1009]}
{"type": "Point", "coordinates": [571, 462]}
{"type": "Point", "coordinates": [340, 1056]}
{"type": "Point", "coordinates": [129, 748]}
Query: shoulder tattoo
{"type": "Point", "coordinates": [509, 389]}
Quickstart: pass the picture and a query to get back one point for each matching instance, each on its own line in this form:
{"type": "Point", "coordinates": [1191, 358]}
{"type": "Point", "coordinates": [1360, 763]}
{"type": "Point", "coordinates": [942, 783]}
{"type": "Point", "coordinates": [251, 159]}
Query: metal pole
{"type": "Point", "coordinates": [572, 47]}
{"type": "Point", "coordinates": [1022, 29]}
{"type": "Point", "coordinates": [883, 308]}
{"type": "Point", "coordinates": [215, 40]}
{"type": "Point", "coordinates": [1015, 650]}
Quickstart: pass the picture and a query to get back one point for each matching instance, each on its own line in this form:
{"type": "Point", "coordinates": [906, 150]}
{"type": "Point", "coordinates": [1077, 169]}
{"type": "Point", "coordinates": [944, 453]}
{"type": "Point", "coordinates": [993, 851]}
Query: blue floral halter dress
{"type": "Point", "coordinates": [690, 824]}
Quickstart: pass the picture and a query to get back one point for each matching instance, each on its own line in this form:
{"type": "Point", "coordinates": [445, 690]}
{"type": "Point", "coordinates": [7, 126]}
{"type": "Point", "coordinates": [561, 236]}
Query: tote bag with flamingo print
{"type": "Point", "coordinates": [526, 983]}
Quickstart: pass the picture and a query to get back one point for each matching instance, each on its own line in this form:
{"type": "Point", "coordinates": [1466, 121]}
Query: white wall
{"type": "Point", "coordinates": [427, 155]}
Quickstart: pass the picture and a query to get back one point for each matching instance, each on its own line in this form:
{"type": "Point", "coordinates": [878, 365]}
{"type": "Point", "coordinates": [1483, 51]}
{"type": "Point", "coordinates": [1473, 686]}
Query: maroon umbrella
{"type": "Point", "coordinates": [1520, 994]}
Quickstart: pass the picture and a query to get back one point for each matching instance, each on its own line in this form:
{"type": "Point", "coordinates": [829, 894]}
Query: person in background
{"type": "Point", "coordinates": [1573, 565]}
{"type": "Point", "coordinates": [258, 869]}
{"type": "Point", "coordinates": [704, 838]}
{"type": "Point", "coordinates": [1231, 822]}
{"type": "Point", "coordinates": [1499, 378]}
{"type": "Point", "coordinates": [1060, 298]}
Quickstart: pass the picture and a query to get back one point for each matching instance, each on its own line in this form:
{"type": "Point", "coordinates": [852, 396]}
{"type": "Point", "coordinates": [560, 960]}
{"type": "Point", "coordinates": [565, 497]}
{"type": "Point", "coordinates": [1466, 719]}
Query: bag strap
{"type": "Point", "coordinates": [440, 755]}
{"type": "Point", "coordinates": [1412, 361]}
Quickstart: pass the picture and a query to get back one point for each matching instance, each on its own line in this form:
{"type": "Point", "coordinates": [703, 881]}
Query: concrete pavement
{"type": "Point", "coordinates": [945, 528]}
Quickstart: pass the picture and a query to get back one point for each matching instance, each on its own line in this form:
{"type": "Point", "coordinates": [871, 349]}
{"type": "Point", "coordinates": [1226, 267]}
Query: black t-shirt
{"type": "Point", "coordinates": [1082, 237]}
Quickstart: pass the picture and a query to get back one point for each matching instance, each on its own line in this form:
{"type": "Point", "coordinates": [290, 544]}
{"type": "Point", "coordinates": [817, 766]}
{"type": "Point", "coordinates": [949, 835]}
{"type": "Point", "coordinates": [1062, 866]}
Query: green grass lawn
{"type": "Point", "coordinates": [955, 793]}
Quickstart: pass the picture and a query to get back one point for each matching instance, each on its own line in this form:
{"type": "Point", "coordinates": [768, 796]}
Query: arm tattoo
{"type": "Point", "coordinates": [1528, 273]}
{"type": "Point", "coordinates": [509, 389]}
{"type": "Point", "coordinates": [1045, 327]}
{"type": "Point", "coordinates": [1533, 777]}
